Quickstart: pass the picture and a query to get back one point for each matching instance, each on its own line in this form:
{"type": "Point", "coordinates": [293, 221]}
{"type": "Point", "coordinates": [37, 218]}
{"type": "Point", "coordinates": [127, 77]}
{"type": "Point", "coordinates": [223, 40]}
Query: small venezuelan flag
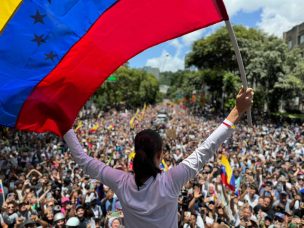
{"type": "Point", "coordinates": [228, 178]}
{"type": "Point", "coordinates": [1, 187]}
{"type": "Point", "coordinates": [163, 166]}
{"type": "Point", "coordinates": [2, 196]}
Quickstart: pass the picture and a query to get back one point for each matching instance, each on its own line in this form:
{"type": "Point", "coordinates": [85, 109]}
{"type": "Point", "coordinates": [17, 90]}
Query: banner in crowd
{"type": "Point", "coordinates": [55, 54]}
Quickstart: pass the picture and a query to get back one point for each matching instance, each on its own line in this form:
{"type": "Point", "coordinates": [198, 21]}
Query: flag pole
{"type": "Point", "coordinates": [240, 63]}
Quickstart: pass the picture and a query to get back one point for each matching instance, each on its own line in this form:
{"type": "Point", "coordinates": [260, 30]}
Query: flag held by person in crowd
{"type": "Point", "coordinates": [227, 176]}
{"type": "Point", "coordinates": [133, 119]}
{"type": "Point", "coordinates": [142, 113]}
{"type": "Point", "coordinates": [163, 166]}
{"type": "Point", "coordinates": [1, 187]}
{"type": "Point", "coordinates": [55, 54]}
{"type": "Point", "coordinates": [79, 125]}
{"type": "Point", "coordinates": [2, 196]}
{"type": "Point", "coordinates": [94, 128]}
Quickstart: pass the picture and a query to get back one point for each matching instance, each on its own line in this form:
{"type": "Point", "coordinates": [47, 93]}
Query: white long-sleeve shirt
{"type": "Point", "coordinates": [155, 203]}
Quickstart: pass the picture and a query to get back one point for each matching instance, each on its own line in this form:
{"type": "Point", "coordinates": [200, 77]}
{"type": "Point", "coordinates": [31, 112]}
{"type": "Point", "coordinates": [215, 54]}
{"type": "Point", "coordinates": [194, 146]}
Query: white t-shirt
{"type": "Point", "coordinates": [155, 203]}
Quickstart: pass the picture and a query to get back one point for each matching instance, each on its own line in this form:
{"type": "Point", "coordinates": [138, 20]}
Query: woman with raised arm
{"type": "Point", "coordinates": [149, 197]}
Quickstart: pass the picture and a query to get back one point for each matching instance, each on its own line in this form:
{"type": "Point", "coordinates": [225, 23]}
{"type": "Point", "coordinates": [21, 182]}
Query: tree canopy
{"type": "Point", "coordinates": [275, 72]}
{"type": "Point", "coordinates": [272, 70]}
{"type": "Point", "coordinates": [129, 88]}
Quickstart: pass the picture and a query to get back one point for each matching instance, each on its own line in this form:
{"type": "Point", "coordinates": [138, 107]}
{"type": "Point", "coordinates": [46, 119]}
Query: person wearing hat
{"type": "Point", "coordinates": [24, 211]}
{"type": "Point", "coordinates": [29, 224]}
{"type": "Point", "coordinates": [59, 220]}
{"type": "Point", "coordinates": [149, 197]}
{"type": "Point", "coordinates": [72, 222]}
{"type": "Point", "coordinates": [80, 213]}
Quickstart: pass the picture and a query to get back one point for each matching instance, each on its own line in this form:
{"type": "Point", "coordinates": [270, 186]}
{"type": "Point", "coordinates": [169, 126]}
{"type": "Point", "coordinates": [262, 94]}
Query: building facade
{"type": "Point", "coordinates": [295, 37]}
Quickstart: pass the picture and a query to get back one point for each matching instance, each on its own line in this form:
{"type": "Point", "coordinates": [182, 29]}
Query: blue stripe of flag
{"type": "Point", "coordinates": [37, 37]}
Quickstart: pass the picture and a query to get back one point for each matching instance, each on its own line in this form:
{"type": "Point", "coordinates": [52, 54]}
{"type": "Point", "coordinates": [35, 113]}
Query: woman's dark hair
{"type": "Point", "coordinates": [148, 144]}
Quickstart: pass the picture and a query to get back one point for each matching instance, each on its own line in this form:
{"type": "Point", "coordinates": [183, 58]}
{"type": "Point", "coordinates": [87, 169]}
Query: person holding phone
{"type": "Point", "coordinates": [149, 197]}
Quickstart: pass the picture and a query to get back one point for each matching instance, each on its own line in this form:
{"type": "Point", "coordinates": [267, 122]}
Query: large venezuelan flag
{"type": "Point", "coordinates": [227, 176]}
{"type": "Point", "coordinates": [55, 53]}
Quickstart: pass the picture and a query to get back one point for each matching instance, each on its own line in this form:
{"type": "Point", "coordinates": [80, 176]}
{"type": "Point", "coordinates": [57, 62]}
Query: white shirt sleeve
{"type": "Point", "coordinates": [189, 167]}
{"type": "Point", "coordinates": [176, 176]}
{"type": "Point", "coordinates": [199, 221]}
{"type": "Point", "coordinates": [93, 167]}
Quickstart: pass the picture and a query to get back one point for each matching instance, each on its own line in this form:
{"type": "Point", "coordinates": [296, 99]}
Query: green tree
{"type": "Point", "coordinates": [132, 88]}
{"type": "Point", "coordinates": [167, 78]}
{"type": "Point", "coordinates": [266, 58]}
{"type": "Point", "coordinates": [292, 84]}
{"type": "Point", "coordinates": [231, 83]}
{"type": "Point", "coordinates": [216, 51]}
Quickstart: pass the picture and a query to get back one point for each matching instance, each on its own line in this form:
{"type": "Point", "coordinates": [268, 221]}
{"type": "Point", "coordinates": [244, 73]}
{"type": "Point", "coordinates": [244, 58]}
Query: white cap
{"type": "Point", "coordinates": [58, 216]}
{"type": "Point", "coordinates": [72, 222]}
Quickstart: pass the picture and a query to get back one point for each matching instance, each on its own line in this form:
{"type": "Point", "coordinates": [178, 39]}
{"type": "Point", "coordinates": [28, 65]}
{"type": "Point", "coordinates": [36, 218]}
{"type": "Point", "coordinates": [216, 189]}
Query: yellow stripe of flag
{"type": "Point", "coordinates": [133, 119]}
{"type": "Point", "coordinates": [7, 9]}
{"type": "Point", "coordinates": [132, 155]}
{"type": "Point", "coordinates": [165, 165]}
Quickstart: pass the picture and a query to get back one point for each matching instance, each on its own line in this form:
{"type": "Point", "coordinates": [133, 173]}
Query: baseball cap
{"type": "Point", "coordinates": [78, 206]}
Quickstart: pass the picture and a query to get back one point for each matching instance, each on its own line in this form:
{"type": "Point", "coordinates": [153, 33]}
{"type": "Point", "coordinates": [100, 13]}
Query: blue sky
{"type": "Point", "coordinates": [271, 16]}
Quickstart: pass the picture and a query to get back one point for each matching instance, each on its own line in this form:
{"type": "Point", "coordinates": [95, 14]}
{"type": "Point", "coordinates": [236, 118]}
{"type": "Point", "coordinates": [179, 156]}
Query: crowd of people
{"type": "Point", "coordinates": [43, 187]}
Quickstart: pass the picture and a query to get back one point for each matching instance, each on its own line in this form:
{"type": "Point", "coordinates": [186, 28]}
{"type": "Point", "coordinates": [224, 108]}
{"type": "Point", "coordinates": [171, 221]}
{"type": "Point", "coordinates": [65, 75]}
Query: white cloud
{"type": "Point", "coordinates": [213, 28]}
{"type": "Point", "coordinates": [275, 24]}
{"type": "Point", "coordinates": [175, 43]}
{"type": "Point", "coordinates": [167, 62]}
{"type": "Point", "coordinates": [191, 37]}
{"type": "Point", "coordinates": [234, 6]}
{"type": "Point", "coordinates": [277, 16]}
{"type": "Point", "coordinates": [178, 45]}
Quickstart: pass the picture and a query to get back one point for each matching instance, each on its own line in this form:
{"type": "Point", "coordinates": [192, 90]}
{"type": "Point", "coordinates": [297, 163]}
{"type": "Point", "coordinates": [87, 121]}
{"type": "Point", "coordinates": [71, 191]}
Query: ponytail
{"type": "Point", "coordinates": [148, 144]}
